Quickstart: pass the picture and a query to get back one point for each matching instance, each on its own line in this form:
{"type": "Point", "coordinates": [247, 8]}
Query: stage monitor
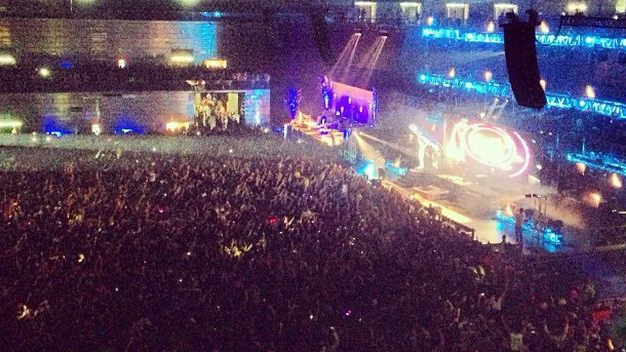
{"type": "Point", "coordinates": [354, 104]}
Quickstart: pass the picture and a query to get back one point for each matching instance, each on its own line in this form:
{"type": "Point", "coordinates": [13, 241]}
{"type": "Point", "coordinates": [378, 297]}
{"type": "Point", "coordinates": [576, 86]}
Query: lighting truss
{"type": "Point", "coordinates": [596, 22]}
{"type": "Point", "coordinates": [604, 162]}
{"type": "Point", "coordinates": [562, 40]}
{"type": "Point", "coordinates": [611, 109]}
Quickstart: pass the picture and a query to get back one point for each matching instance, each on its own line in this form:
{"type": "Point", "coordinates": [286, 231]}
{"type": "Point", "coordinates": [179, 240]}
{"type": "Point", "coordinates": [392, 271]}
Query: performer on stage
{"type": "Point", "coordinates": [519, 222]}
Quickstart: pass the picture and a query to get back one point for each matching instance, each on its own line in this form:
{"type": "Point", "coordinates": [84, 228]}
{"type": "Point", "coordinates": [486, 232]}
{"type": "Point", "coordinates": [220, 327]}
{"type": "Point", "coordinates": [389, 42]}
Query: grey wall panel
{"type": "Point", "coordinates": [108, 39]}
{"type": "Point", "coordinates": [151, 110]}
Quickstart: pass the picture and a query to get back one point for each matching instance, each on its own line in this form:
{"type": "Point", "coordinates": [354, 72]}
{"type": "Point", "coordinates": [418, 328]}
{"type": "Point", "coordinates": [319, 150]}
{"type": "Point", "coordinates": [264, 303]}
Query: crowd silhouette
{"type": "Point", "coordinates": [141, 251]}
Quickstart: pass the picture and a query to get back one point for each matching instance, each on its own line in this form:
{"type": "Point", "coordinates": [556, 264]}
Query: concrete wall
{"type": "Point", "coordinates": [109, 39]}
{"type": "Point", "coordinates": [150, 110]}
{"type": "Point", "coordinates": [101, 8]}
{"type": "Point", "coordinates": [288, 52]}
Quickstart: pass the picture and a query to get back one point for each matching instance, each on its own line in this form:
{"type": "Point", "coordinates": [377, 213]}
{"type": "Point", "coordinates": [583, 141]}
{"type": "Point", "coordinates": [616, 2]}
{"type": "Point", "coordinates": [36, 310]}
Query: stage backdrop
{"type": "Point", "coordinates": [353, 102]}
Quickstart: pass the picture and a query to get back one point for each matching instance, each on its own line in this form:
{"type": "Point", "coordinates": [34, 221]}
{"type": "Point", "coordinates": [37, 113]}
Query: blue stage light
{"type": "Point", "coordinates": [66, 65]}
{"type": "Point", "coordinates": [552, 236]}
{"type": "Point", "coordinates": [52, 126]}
{"type": "Point", "coordinates": [368, 169]}
{"type": "Point", "coordinates": [127, 125]}
{"type": "Point", "coordinates": [573, 40]}
{"type": "Point", "coordinates": [400, 171]}
{"type": "Point", "coordinates": [292, 100]}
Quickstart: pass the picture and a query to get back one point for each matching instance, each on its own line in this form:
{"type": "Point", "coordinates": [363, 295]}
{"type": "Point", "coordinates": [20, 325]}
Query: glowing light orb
{"type": "Point", "coordinates": [616, 181]}
{"type": "Point", "coordinates": [490, 146]}
{"type": "Point", "coordinates": [488, 76]}
{"type": "Point", "coordinates": [7, 60]}
{"type": "Point", "coordinates": [44, 72]}
{"type": "Point", "coordinates": [593, 199]}
{"type": "Point", "coordinates": [188, 3]}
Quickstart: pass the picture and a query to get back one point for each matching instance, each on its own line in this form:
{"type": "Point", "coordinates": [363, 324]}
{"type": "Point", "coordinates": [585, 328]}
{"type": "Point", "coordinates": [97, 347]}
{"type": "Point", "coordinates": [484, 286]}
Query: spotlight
{"type": "Point", "coordinates": [488, 76]}
{"type": "Point", "coordinates": [383, 33]}
{"type": "Point", "coordinates": [616, 181]}
{"type": "Point", "coordinates": [7, 60]}
{"type": "Point", "coordinates": [188, 3]}
{"type": "Point", "coordinates": [594, 199]}
{"type": "Point", "coordinates": [44, 72]}
{"type": "Point", "coordinates": [96, 129]}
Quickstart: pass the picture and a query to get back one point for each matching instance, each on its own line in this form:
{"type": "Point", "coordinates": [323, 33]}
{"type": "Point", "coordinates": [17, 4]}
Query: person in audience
{"type": "Point", "coordinates": [519, 223]}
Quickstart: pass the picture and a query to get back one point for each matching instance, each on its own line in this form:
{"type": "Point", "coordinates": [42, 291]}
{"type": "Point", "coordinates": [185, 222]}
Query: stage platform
{"type": "Point", "coordinates": [328, 136]}
{"type": "Point", "coordinates": [475, 204]}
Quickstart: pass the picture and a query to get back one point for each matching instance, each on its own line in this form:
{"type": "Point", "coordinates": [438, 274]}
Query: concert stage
{"type": "Point", "coordinates": [344, 108]}
{"type": "Point", "coordinates": [482, 203]}
{"type": "Point", "coordinates": [475, 173]}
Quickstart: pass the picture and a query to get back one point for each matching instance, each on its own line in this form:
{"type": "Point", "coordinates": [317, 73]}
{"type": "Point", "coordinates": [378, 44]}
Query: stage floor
{"type": "Point", "coordinates": [476, 207]}
{"type": "Point", "coordinates": [330, 137]}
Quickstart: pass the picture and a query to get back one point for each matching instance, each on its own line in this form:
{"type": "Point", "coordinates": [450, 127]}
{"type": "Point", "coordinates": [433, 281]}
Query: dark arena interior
{"type": "Point", "coordinates": [237, 175]}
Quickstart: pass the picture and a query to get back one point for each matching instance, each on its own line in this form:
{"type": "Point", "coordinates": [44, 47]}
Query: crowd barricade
{"type": "Point", "coordinates": [462, 229]}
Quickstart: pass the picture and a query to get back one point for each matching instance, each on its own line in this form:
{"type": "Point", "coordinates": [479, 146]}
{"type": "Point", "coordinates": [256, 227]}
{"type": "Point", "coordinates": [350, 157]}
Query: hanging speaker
{"type": "Point", "coordinates": [321, 37]}
{"type": "Point", "coordinates": [522, 66]}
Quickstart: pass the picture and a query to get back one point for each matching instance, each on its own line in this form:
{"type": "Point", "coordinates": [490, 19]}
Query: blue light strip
{"type": "Point", "coordinates": [586, 41]}
{"type": "Point", "coordinates": [555, 100]}
{"type": "Point", "coordinates": [489, 88]}
{"type": "Point", "coordinates": [529, 227]}
{"type": "Point", "coordinates": [400, 171]}
{"type": "Point", "coordinates": [599, 162]}
{"type": "Point", "coordinates": [455, 34]}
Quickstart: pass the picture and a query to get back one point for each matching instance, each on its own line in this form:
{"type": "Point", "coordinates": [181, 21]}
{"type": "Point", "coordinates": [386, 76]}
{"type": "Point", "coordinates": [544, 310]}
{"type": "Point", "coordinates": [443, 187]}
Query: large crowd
{"type": "Point", "coordinates": [140, 251]}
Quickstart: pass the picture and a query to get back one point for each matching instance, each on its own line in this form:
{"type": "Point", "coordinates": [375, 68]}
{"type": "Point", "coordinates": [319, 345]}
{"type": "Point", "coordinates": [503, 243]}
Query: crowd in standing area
{"type": "Point", "coordinates": [140, 251]}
